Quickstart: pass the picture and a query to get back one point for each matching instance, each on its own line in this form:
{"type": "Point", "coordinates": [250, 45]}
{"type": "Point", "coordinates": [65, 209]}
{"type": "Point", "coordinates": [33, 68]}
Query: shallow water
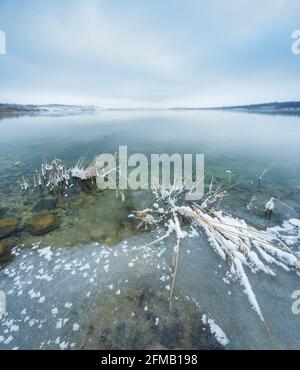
{"type": "Point", "coordinates": [243, 143]}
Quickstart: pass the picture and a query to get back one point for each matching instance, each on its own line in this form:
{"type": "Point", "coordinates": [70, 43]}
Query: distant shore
{"type": "Point", "coordinates": [276, 108]}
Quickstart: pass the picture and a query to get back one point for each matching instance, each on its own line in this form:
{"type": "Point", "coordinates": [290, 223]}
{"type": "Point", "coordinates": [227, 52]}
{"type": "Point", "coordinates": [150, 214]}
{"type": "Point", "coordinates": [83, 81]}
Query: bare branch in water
{"type": "Point", "coordinates": [263, 174]}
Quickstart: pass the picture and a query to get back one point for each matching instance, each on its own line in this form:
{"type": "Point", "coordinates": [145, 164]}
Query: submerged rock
{"type": "Point", "coordinates": [110, 241]}
{"type": "Point", "coordinates": [145, 321]}
{"type": "Point", "coordinates": [4, 248]}
{"type": "Point", "coordinates": [6, 245]}
{"type": "Point", "coordinates": [97, 234]}
{"type": "Point", "coordinates": [45, 204]}
{"type": "Point", "coordinates": [8, 226]}
{"type": "Point", "coordinates": [43, 223]}
{"type": "Point", "coordinates": [3, 210]}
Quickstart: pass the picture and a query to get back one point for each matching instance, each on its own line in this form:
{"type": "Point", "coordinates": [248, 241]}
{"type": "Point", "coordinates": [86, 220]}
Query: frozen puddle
{"type": "Point", "coordinates": [97, 297]}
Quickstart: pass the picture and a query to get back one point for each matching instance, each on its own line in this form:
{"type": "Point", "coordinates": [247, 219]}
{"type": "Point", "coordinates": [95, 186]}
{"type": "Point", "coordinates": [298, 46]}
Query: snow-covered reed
{"type": "Point", "coordinates": [57, 178]}
{"type": "Point", "coordinates": [244, 247]}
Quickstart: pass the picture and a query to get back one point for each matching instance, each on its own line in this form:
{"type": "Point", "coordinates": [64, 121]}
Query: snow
{"type": "Point", "coordinates": [216, 330]}
{"type": "Point", "coordinates": [270, 205]}
{"type": "Point", "coordinates": [75, 327]}
{"type": "Point", "coordinates": [46, 253]}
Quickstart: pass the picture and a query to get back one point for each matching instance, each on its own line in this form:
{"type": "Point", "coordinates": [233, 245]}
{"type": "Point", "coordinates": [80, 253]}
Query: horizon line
{"type": "Point", "coordinates": [179, 107]}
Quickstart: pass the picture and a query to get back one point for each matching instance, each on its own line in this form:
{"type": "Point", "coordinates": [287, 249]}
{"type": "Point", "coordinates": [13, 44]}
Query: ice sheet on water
{"type": "Point", "coordinates": [70, 298]}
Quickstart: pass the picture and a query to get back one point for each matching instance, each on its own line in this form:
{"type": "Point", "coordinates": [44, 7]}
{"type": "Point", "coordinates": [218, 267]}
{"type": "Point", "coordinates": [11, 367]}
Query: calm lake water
{"type": "Point", "coordinates": [80, 291]}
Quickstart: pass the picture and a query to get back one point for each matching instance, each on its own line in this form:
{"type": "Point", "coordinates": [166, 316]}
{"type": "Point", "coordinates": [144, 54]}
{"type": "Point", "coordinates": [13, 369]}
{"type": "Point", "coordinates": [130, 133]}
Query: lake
{"type": "Point", "coordinates": [92, 282]}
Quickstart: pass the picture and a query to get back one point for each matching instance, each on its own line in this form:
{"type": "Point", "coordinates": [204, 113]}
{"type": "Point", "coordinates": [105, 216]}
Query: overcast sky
{"type": "Point", "coordinates": [133, 53]}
